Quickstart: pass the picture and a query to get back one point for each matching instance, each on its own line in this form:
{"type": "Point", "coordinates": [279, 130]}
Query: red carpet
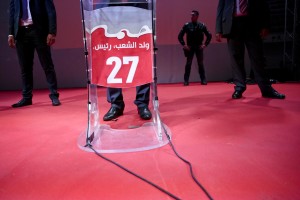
{"type": "Point", "coordinates": [240, 149]}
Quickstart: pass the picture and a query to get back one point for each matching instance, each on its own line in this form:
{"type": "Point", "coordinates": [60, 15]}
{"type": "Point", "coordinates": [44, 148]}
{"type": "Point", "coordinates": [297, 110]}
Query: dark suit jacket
{"type": "Point", "coordinates": [258, 14]}
{"type": "Point", "coordinates": [43, 16]}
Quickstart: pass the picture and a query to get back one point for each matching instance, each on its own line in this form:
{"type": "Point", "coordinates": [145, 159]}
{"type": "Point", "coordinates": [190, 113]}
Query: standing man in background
{"type": "Point", "coordinates": [244, 23]}
{"type": "Point", "coordinates": [32, 26]}
{"type": "Point", "coordinates": [195, 32]}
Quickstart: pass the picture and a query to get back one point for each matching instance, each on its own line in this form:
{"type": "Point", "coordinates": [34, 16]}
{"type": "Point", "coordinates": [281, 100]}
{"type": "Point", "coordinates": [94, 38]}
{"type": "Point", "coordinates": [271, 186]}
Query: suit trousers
{"type": "Point", "coordinates": [115, 96]}
{"type": "Point", "coordinates": [27, 42]}
{"type": "Point", "coordinates": [198, 51]}
{"type": "Point", "coordinates": [241, 36]}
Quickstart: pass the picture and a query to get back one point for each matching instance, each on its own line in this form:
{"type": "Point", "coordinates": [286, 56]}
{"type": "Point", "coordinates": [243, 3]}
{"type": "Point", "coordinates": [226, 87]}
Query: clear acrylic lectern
{"type": "Point", "coordinates": [116, 33]}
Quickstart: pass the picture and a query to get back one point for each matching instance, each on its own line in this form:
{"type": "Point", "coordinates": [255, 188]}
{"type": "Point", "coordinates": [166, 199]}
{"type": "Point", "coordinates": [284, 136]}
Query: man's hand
{"type": "Point", "coordinates": [219, 37]}
{"type": "Point", "coordinates": [50, 39]}
{"type": "Point", "coordinates": [11, 41]}
{"type": "Point", "coordinates": [186, 47]}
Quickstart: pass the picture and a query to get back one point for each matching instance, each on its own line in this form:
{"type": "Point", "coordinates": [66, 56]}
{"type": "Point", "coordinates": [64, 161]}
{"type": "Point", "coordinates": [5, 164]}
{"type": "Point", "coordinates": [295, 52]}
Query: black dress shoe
{"type": "Point", "coordinates": [237, 94]}
{"type": "Point", "coordinates": [186, 83]}
{"type": "Point", "coordinates": [274, 95]}
{"type": "Point", "coordinates": [145, 113]}
{"type": "Point", "coordinates": [22, 102]}
{"type": "Point", "coordinates": [113, 113]}
{"type": "Point", "coordinates": [203, 82]}
{"type": "Point", "coordinates": [55, 102]}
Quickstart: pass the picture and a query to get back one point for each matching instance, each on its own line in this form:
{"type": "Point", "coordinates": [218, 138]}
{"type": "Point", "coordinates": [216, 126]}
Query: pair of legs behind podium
{"type": "Point", "coordinates": [115, 98]}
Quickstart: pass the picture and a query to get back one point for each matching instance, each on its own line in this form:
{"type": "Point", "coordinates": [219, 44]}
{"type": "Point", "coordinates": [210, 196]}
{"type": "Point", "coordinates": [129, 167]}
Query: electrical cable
{"type": "Point", "coordinates": [134, 174]}
{"type": "Point", "coordinates": [156, 100]}
{"type": "Point", "coordinates": [149, 182]}
{"type": "Point", "coordinates": [188, 163]}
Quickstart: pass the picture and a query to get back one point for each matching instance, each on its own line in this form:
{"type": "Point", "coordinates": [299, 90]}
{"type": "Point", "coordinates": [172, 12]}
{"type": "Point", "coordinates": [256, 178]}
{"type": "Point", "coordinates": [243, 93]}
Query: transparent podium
{"type": "Point", "coordinates": [120, 52]}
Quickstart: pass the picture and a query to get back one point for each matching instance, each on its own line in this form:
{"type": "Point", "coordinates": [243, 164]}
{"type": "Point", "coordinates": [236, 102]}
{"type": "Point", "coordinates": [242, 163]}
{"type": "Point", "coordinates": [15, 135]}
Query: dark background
{"type": "Point", "coordinates": [68, 53]}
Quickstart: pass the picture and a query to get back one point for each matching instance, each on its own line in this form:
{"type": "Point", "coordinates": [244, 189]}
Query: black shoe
{"type": "Point", "coordinates": [113, 113]}
{"type": "Point", "coordinates": [186, 83]}
{"type": "Point", "coordinates": [144, 113]}
{"type": "Point", "coordinates": [203, 82]}
{"type": "Point", "coordinates": [274, 95]}
{"type": "Point", "coordinates": [55, 102]}
{"type": "Point", "coordinates": [22, 102]}
{"type": "Point", "coordinates": [250, 81]}
{"type": "Point", "coordinates": [237, 94]}
{"type": "Point", "coordinates": [54, 99]}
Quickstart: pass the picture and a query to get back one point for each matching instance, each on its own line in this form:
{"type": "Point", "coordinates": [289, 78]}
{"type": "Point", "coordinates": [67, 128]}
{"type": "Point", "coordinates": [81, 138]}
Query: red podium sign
{"type": "Point", "coordinates": [123, 59]}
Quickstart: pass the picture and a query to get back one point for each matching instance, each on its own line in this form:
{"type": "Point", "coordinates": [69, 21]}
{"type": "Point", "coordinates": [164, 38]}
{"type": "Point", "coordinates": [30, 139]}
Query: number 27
{"type": "Point", "coordinates": [117, 66]}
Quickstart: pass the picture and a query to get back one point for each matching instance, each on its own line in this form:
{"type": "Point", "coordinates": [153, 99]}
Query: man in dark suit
{"type": "Point", "coordinates": [195, 32]}
{"type": "Point", "coordinates": [32, 26]}
{"type": "Point", "coordinates": [245, 23]}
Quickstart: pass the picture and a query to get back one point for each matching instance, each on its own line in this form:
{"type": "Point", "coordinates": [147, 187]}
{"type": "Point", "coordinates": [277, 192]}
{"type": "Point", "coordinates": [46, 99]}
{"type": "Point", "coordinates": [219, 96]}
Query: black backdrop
{"type": "Point", "coordinates": [171, 15]}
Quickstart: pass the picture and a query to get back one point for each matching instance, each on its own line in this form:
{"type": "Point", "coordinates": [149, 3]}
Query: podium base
{"type": "Point", "coordinates": [108, 140]}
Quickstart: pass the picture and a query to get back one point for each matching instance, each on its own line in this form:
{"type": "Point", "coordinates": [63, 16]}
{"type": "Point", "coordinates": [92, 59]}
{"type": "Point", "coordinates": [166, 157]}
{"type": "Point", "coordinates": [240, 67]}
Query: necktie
{"type": "Point", "coordinates": [243, 6]}
{"type": "Point", "coordinates": [24, 10]}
